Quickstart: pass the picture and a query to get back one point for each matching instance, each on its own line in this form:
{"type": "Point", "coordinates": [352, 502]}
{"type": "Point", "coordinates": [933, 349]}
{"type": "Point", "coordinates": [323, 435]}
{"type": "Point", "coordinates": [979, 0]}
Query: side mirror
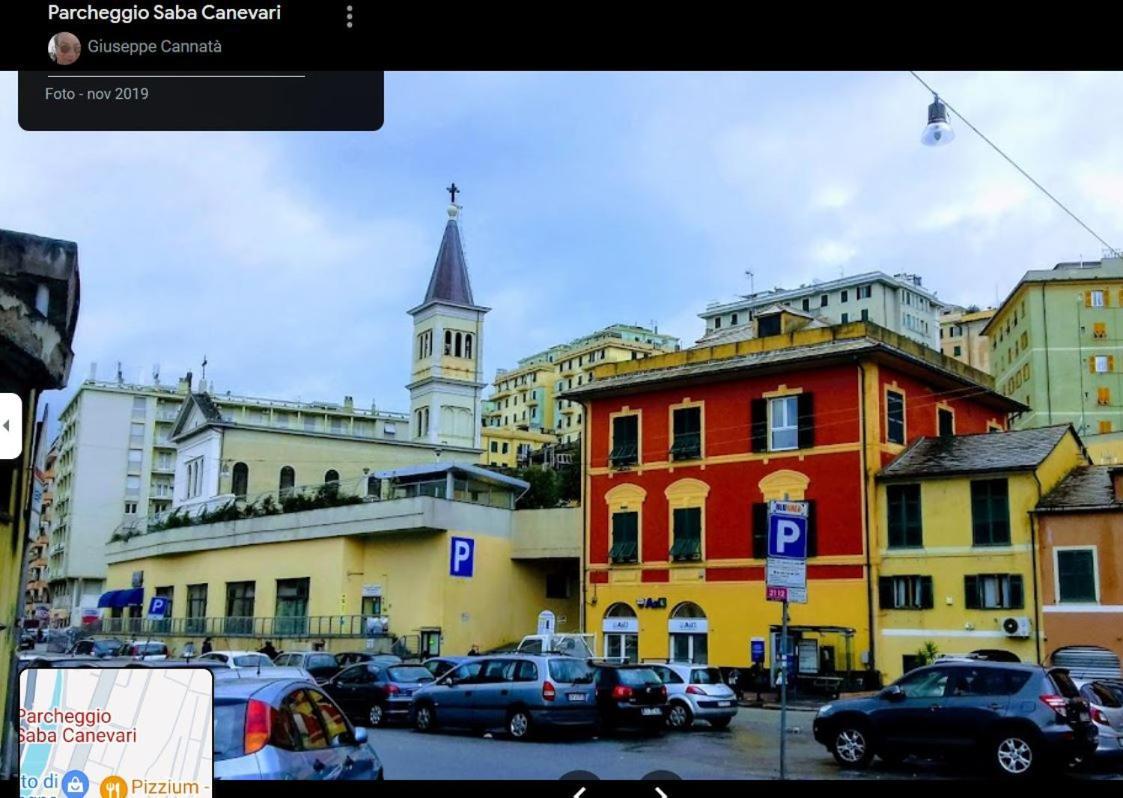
{"type": "Point", "coordinates": [892, 693]}
{"type": "Point", "coordinates": [360, 735]}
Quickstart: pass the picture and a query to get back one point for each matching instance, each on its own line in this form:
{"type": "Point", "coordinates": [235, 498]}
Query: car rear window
{"type": "Point", "coordinates": [1100, 694]}
{"type": "Point", "coordinates": [570, 671]}
{"type": "Point", "coordinates": [706, 676]}
{"type": "Point", "coordinates": [321, 661]}
{"type": "Point", "coordinates": [1064, 684]}
{"type": "Point", "coordinates": [637, 676]}
{"type": "Point", "coordinates": [409, 674]}
{"type": "Point", "coordinates": [229, 728]}
{"type": "Point", "coordinates": [252, 661]}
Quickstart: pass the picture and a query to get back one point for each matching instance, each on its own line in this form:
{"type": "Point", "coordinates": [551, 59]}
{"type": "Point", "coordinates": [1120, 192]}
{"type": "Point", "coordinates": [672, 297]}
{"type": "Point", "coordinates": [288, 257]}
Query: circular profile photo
{"type": "Point", "coordinates": [64, 48]}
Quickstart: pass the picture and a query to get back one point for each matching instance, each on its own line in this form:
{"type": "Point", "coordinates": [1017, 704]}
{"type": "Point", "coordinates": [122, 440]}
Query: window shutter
{"type": "Point", "coordinates": [885, 592]}
{"type": "Point", "coordinates": [1111, 363]}
{"type": "Point", "coordinates": [759, 425]}
{"type": "Point", "coordinates": [1107, 299]}
{"type": "Point", "coordinates": [1087, 299]}
{"type": "Point", "coordinates": [971, 592]}
{"type": "Point", "coordinates": [760, 530]}
{"type": "Point", "coordinates": [1017, 592]}
{"type": "Point", "coordinates": [806, 407]}
{"type": "Point", "coordinates": [1092, 364]}
{"type": "Point", "coordinates": [812, 531]}
{"type": "Point", "coordinates": [927, 600]}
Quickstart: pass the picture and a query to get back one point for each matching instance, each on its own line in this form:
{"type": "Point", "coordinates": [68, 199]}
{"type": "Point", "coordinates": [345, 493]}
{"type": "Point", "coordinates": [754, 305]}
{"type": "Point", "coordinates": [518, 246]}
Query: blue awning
{"type": "Point", "coordinates": [122, 598]}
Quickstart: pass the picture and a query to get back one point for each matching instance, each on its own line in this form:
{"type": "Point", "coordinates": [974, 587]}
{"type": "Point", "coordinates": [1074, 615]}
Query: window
{"type": "Point", "coordinates": [1103, 396]}
{"type": "Point", "coordinates": [994, 592]}
{"type": "Point", "coordinates": [130, 508]}
{"type": "Point", "coordinates": [625, 441]}
{"type": "Point", "coordinates": [306, 725]}
{"type": "Point", "coordinates": [467, 345]}
{"type": "Point", "coordinates": [783, 428]}
{"type": "Point", "coordinates": [132, 486]}
{"type": "Point", "coordinates": [733, 320]}
{"type": "Point", "coordinates": [905, 592]}
{"type": "Point", "coordinates": [292, 607]}
{"type": "Point", "coordinates": [687, 423]}
{"type": "Point", "coordinates": [945, 421]}
{"type": "Point", "coordinates": [1097, 299]}
{"type": "Point", "coordinates": [845, 296]}
{"type": "Point", "coordinates": [287, 481]}
{"type": "Point", "coordinates": [807, 303]}
{"type": "Point", "coordinates": [931, 683]}
{"type": "Point", "coordinates": [625, 537]}
{"type": "Point", "coordinates": [135, 457]}
{"type": "Point", "coordinates": [865, 291]}
{"type": "Point", "coordinates": [140, 407]}
{"type": "Point", "coordinates": [768, 325]}
{"type": "Point", "coordinates": [240, 480]}
{"type": "Point", "coordinates": [717, 323]}
{"type": "Point", "coordinates": [494, 446]}
{"type": "Point", "coordinates": [331, 475]}
{"type": "Point", "coordinates": [1099, 330]}
{"type": "Point", "coordinates": [824, 300]}
{"type": "Point", "coordinates": [459, 349]}
{"type": "Point", "coordinates": [990, 512]}
{"type": "Point", "coordinates": [958, 351]}
{"type": "Point", "coordinates": [687, 534]}
{"type": "Point", "coordinates": [337, 425]}
{"type": "Point", "coordinates": [239, 607]}
{"type": "Point", "coordinates": [448, 342]}
{"type": "Point", "coordinates": [196, 608]}
{"type": "Point", "coordinates": [557, 585]}
{"type": "Point", "coordinates": [1076, 575]}
{"type": "Point", "coordinates": [1101, 364]}
{"type": "Point", "coordinates": [845, 317]}
{"type": "Point", "coordinates": [865, 315]}
{"type": "Point", "coordinates": [505, 447]}
{"type": "Point", "coordinates": [895, 417]}
{"type": "Point", "coordinates": [905, 528]}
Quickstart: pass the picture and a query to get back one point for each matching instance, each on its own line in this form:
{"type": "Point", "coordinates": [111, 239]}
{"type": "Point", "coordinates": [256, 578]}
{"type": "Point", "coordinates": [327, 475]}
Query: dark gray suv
{"type": "Point", "coordinates": [1019, 717]}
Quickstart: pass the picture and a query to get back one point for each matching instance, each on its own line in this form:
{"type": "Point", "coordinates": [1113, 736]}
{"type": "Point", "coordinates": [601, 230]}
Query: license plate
{"type": "Point", "coordinates": [576, 696]}
{"type": "Point", "coordinates": [725, 703]}
{"type": "Point", "coordinates": [651, 711]}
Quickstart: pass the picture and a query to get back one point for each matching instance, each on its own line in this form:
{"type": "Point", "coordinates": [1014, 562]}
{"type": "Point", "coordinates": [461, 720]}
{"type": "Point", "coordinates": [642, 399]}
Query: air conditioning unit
{"type": "Point", "coordinates": [1016, 626]}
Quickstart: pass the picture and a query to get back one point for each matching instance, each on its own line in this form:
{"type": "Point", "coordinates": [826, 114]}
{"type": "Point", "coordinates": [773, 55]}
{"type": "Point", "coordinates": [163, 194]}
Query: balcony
{"type": "Point", "coordinates": [259, 627]}
{"type": "Point", "coordinates": [163, 443]}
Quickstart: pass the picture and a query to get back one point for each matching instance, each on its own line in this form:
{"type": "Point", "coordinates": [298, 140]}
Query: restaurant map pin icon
{"type": "Point", "coordinates": [75, 784]}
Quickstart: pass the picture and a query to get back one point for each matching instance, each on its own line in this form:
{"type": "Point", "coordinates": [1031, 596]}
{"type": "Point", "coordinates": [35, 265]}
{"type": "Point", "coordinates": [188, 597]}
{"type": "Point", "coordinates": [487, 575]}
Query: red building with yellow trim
{"type": "Point", "coordinates": [684, 450]}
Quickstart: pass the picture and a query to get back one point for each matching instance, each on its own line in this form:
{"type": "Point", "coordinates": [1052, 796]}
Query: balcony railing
{"type": "Point", "coordinates": [266, 628]}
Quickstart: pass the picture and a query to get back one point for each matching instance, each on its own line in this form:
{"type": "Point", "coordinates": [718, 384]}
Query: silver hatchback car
{"type": "Point", "coordinates": [286, 729]}
{"type": "Point", "coordinates": [696, 692]}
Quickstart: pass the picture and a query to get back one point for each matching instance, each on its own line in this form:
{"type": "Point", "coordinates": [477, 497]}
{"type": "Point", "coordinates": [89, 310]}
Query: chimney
{"type": "Point", "coordinates": [349, 403]}
{"type": "Point", "coordinates": [1117, 483]}
{"type": "Point", "coordinates": [184, 386]}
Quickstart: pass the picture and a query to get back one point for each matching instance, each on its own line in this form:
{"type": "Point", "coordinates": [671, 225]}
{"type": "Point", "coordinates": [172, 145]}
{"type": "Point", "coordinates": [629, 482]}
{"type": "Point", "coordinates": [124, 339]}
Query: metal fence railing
{"type": "Point", "coordinates": [297, 627]}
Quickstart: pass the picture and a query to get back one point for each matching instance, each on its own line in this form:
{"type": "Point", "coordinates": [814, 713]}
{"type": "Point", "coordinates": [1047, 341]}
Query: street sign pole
{"type": "Point", "coordinates": [783, 690]}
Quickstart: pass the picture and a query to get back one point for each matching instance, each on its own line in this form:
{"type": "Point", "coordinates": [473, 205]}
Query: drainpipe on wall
{"type": "Point", "coordinates": [583, 466]}
{"type": "Point", "coordinates": [872, 664]}
{"type": "Point", "coordinates": [1037, 614]}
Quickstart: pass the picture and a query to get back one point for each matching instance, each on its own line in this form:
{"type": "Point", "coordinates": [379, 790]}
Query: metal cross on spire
{"type": "Point", "coordinates": [452, 192]}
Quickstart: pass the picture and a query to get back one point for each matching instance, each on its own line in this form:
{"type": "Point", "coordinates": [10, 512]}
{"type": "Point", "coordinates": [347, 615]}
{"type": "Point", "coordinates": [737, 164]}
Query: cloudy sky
{"type": "Point", "coordinates": [289, 260]}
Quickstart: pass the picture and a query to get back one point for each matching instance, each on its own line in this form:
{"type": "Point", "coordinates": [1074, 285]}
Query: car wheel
{"type": "Point", "coordinates": [679, 716]}
{"type": "Point", "coordinates": [518, 724]}
{"type": "Point", "coordinates": [1014, 755]}
{"type": "Point", "coordinates": [377, 715]}
{"type": "Point", "coordinates": [721, 723]}
{"type": "Point", "coordinates": [425, 718]}
{"type": "Point", "coordinates": [851, 746]}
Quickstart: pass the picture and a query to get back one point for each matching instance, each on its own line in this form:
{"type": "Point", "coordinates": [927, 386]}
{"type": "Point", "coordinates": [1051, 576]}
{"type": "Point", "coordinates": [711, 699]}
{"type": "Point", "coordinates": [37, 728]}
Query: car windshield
{"type": "Point", "coordinates": [229, 721]}
{"type": "Point", "coordinates": [410, 674]}
{"type": "Point", "coordinates": [1102, 695]}
{"type": "Point", "coordinates": [320, 661]}
{"type": "Point", "coordinates": [150, 648]}
{"type": "Point", "coordinates": [638, 676]}
{"type": "Point", "coordinates": [570, 671]}
{"type": "Point", "coordinates": [253, 661]}
{"type": "Point", "coordinates": [706, 676]}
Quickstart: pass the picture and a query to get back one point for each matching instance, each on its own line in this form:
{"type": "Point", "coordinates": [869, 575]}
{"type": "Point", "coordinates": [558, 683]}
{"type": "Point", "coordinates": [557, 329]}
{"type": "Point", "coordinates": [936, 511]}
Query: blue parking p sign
{"type": "Point", "coordinates": [462, 557]}
{"type": "Point", "coordinates": [158, 607]}
{"type": "Point", "coordinates": [787, 532]}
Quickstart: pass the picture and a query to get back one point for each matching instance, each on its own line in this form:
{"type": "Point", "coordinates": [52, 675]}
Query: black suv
{"type": "Point", "coordinates": [630, 695]}
{"type": "Point", "coordinates": [1018, 716]}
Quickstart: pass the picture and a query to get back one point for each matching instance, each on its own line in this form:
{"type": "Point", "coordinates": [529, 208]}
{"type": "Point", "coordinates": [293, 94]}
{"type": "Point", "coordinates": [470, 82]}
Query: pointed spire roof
{"type": "Point", "coordinates": [449, 282]}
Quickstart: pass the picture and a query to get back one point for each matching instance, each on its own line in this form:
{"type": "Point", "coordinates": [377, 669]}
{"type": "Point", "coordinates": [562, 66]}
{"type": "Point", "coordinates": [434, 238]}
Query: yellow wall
{"type": "Point", "coordinates": [512, 437]}
{"type": "Point", "coordinates": [265, 452]}
{"type": "Point", "coordinates": [498, 604]}
{"type": "Point", "coordinates": [1105, 449]}
{"type": "Point", "coordinates": [949, 555]}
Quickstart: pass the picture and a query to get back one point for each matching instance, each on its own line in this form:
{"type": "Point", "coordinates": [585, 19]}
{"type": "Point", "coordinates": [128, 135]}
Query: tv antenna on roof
{"type": "Point", "coordinates": [750, 275]}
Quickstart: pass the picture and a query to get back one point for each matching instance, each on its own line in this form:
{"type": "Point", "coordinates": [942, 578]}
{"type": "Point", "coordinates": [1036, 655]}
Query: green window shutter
{"type": "Point", "coordinates": [1016, 599]}
{"type": "Point", "coordinates": [895, 500]}
{"type": "Point", "coordinates": [885, 592]}
{"type": "Point", "coordinates": [758, 418]}
{"type": "Point", "coordinates": [980, 514]}
{"type": "Point", "coordinates": [927, 599]}
{"type": "Point", "coordinates": [1000, 512]}
{"type": "Point", "coordinates": [914, 532]}
{"type": "Point", "coordinates": [760, 530]}
{"type": "Point", "coordinates": [625, 537]}
{"type": "Point", "coordinates": [971, 592]}
{"type": "Point", "coordinates": [625, 442]}
{"type": "Point", "coordinates": [806, 420]}
{"type": "Point", "coordinates": [687, 534]}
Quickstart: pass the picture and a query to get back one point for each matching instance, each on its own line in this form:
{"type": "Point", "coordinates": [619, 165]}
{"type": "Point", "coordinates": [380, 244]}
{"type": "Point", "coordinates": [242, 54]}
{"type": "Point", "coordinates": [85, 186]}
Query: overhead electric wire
{"type": "Point", "coordinates": [1015, 164]}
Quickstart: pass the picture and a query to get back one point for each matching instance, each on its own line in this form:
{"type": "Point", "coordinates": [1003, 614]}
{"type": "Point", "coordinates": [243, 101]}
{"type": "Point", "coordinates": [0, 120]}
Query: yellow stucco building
{"type": "Point", "coordinates": [957, 543]}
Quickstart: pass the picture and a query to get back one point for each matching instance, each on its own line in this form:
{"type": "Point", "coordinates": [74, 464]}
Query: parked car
{"type": "Point", "coordinates": [1105, 700]}
{"type": "Point", "coordinates": [110, 647]}
{"type": "Point", "coordinates": [1018, 716]}
{"type": "Point", "coordinates": [696, 692]}
{"type": "Point", "coordinates": [238, 659]}
{"type": "Point", "coordinates": [321, 664]}
{"type": "Point", "coordinates": [152, 650]}
{"type": "Point", "coordinates": [630, 695]}
{"type": "Point", "coordinates": [27, 641]}
{"type": "Point", "coordinates": [439, 666]}
{"type": "Point", "coordinates": [375, 694]}
{"type": "Point", "coordinates": [286, 729]}
{"type": "Point", "coordinates": [347, 658]}
{"type": "Point", "coordinates": [521, 693]}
